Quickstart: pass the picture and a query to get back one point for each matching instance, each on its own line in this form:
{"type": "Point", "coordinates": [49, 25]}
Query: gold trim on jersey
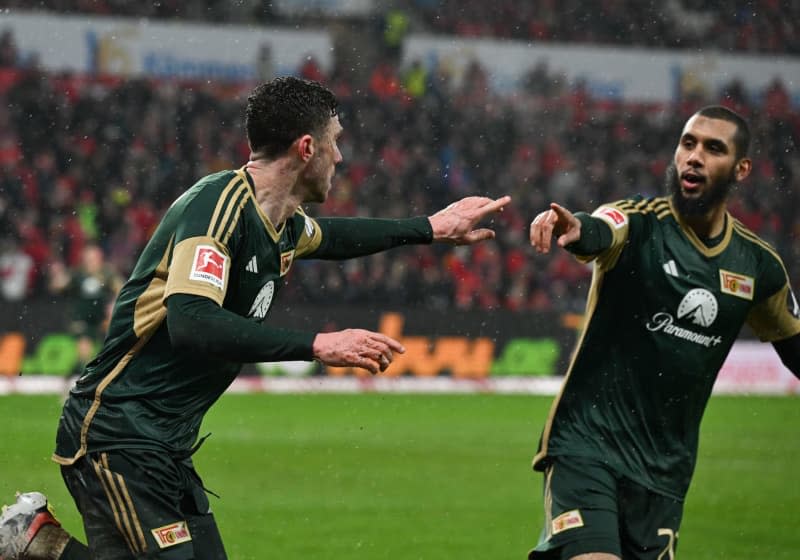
{"type": "Point", "coordinates": [149, 310]}
{"type": "Point", "coordinates": [148, 314]}
{"type": "Point", "coordinates": [274, 233]}
{"type": "Point", "coordinates": [179, 279]}
{"type": "Point", "coordinates": [233, 191]}
{"type": "Point", "coordinates": [96, 402]}
{"type": "Point", "coordinates": [591, 305]}
{"type": "Point", "coordinates": [771, 319]}
{"type": "Point", "coordinates": [742, 230]}
{"type": "Point", "coordinates": [311, 236]}
{"type": "Point", "coordinates": [697, 242]}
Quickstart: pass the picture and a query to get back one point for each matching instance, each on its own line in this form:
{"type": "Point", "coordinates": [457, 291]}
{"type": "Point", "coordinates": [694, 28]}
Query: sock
{"type": "Point", "coordinates": [75, 550]}
{"type": "Point", "coordinates": [54, 543]}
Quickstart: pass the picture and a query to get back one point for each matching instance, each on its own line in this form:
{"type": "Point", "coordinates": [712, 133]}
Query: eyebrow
{"type": "Point", "coordinates": [709, 142]}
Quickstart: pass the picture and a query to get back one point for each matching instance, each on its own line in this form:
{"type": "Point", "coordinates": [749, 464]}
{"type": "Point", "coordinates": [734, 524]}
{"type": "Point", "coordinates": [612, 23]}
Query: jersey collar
{"type": "Point", "coordinates": [697, 242]}
{"type": "Point", "coordinates": [274, 233]}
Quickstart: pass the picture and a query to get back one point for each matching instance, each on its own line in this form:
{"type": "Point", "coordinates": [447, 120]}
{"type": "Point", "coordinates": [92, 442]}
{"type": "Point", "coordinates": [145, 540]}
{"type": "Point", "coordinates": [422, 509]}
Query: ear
{"type": "Point", "coordinates": [305, 147]}
{"type": "Point", "coordinates": [743, 168]}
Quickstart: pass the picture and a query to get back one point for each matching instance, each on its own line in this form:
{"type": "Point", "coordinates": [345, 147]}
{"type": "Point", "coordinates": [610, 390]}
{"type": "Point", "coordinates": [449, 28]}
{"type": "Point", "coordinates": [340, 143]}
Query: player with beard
{"type": "Point", "coordinates": [194, 309]}
{"type": "Point", "coordinates": [675, 279]}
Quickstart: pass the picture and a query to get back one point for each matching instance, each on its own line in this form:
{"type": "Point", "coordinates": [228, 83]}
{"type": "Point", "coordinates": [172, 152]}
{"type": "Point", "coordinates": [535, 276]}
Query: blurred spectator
{"type": "Point", "coordinates": [16, 269]}
{"type": "Point", "coordinates": [91, 288]}
{"type": "Point", "coordinates": [73, 177]}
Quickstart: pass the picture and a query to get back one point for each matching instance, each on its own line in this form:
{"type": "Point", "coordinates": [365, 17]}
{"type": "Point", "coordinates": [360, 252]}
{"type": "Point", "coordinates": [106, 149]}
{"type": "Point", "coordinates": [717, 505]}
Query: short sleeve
{"type": "Point", "coordinates": [204, 239]}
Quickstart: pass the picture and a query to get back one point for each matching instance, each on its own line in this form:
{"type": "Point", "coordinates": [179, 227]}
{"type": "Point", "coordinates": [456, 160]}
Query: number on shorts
{"type": "Point", "coordinates": [669, 552]}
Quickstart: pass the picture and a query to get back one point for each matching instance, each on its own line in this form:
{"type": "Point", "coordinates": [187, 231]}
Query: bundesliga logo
{"type": "Point", "coordinates": [208, 266]}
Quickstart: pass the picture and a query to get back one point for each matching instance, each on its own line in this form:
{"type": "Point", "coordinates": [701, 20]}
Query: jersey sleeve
{"type": "Point", "coordinates": [618, 220]}
{"type": "Point", "coordinates": [776, 316]}
{"type": "Point", "coordinates": [204, 240]}
{"type": "Point", "coordinates": [310, 236]}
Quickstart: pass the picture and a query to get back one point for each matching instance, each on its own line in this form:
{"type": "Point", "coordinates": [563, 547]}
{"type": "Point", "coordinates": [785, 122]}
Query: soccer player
{"type": "Point", "coordinates": [675, 278]}
{"type": "Point", "coordinates": [194, 310]}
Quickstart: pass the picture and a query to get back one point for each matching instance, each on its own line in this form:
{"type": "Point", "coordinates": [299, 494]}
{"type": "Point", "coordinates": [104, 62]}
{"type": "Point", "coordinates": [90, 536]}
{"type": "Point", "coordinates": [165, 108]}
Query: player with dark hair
{"type": "Point", "coordinates": [675, 279]}
{"type": "Point", "coordinates": [191, 313]}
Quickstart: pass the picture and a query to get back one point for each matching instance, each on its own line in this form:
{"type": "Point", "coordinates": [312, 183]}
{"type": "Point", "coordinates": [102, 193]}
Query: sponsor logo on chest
{"type": "Point", "coordinates": [263, 300]}
{"type": "Point", "coordinates": [698, 306]}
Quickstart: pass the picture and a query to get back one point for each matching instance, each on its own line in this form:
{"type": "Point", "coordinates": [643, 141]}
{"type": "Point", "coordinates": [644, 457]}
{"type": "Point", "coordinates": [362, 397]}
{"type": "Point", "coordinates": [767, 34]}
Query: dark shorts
{"type": "Point", "coordinates": [590, 508]}
{"type": "Point", "coordinates": [143, 504]}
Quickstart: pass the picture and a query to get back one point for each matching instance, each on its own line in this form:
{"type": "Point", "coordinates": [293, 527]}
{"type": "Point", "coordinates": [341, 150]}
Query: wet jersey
{"type": "Point", "coordinates": [662, 313]}
{"type": "Point", "coordinates": [140, 392]}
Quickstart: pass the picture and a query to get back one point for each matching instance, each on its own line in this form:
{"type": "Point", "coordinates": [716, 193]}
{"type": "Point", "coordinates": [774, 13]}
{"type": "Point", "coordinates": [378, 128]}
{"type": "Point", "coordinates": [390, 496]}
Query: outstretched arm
{"type": "Point", "coordinates": [580, 233]}
{"type": "Point", "coordinates": [456, 223]}
{"type": "Point", "coordinates": [345, 238]}
{"type": "Point", "coordinates": [789, 351]}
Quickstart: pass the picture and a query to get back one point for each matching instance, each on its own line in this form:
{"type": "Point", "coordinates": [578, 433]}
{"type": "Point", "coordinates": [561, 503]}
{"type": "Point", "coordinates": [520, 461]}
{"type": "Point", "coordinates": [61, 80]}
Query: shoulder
{"type": "Point", "coordinates": [768, 259]}
{"type": "Point", "coordinates": [220, 186]}
{"type": "Point", "coordinates": [622, 212]}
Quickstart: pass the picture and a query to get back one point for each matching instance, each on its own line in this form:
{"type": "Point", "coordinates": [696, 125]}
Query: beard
{"type": "Point", "coordinates": [715, 194]}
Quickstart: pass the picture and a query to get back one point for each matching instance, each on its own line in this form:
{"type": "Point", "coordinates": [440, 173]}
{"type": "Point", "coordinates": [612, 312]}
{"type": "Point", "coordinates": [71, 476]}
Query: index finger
{"type": "Point", "coordinates": [561, 211]}
{"type": "Point", "coordinates": [495, 205]}
{"type": "Point", "coordinates": [390, 342]}
{"type": "Point", "coordinates": [541, 232]}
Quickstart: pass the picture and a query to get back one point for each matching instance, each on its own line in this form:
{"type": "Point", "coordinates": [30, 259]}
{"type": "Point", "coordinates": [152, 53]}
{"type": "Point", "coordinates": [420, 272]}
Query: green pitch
{"type": "Point", "coordinates": [430, 477]}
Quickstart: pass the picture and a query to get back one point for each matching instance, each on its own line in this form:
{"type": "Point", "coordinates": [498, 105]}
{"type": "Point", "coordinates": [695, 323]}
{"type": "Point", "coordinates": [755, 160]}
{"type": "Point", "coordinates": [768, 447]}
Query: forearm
{"type": "Point", "coordinates": [789, 352]}
{"type": "Point", "coordinates": [595, 236]}
{"type": "Point", "coordinates": [345, 238]}
{"type": "Point", "coordinates": [197, 324]}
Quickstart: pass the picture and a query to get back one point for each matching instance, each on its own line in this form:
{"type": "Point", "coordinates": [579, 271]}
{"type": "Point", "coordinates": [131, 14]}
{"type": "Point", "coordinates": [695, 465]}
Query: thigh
{"type": "Point", "coordinates": [581, 515]}
{"type": "Point", "coordinates": [143, 504]}
{"type": "Point", "coordinates": [104, 540]}
{"type": "Point", "coordinates": [649, 523]}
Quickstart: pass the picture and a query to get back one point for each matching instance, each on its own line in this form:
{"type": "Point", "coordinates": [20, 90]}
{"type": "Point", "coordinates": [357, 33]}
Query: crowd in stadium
{"type": "Point", "coordinates": [767, 26]}
{"type": "Point", "coordinates": [414, 140]}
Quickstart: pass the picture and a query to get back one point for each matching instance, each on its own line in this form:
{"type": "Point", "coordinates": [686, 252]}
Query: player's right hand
{"type": "Point", "coordinates": [356, 348]}
{"type": "Point", "coordinates": [558, 222]}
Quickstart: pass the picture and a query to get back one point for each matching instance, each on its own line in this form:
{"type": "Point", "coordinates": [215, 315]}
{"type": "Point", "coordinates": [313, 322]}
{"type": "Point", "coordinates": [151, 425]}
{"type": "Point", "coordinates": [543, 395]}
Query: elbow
{"type": "Point", "coordinates": [183, 338]}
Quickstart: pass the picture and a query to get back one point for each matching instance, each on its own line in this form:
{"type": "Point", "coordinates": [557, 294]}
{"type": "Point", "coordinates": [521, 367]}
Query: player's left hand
{"type": "Point", "coordinates": [456, 223]}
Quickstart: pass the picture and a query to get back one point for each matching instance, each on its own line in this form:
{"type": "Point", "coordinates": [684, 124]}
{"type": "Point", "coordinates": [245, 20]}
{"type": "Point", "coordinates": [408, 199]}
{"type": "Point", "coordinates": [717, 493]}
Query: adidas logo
{"type": "Point", "coordinates": [252, 265]}
{"type": "Point", "coordinates": [669, 267]}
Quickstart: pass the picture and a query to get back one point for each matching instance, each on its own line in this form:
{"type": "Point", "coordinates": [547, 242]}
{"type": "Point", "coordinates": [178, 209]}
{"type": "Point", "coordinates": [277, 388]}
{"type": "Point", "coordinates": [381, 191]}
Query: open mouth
{"type": "Point", "coordinates": [691, 181]}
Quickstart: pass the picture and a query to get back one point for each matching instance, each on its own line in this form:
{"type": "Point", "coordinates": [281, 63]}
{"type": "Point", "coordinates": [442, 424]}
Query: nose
{"type": "Point", "coordinates": [695, 159]}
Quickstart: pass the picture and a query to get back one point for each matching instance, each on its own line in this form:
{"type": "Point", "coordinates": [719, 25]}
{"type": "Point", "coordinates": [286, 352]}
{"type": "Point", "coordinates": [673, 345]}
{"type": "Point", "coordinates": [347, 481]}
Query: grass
{"type": "Point", "coordinates": [430, 477]}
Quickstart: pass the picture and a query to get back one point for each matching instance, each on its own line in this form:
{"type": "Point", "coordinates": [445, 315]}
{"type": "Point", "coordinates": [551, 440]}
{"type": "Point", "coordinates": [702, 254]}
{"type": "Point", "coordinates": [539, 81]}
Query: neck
{"type": "Point", "coordinates": [709, 225]}
{"type": "Point", "coordinates": [274, 183]}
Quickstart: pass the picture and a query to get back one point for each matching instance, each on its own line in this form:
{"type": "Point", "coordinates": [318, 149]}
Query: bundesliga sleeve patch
{"type": "Point", "coordinates": [616, 218]}
{"type": "Point", "coordinates": [208, 266]}
{"type": "Point", "coordinates": [172, 534]}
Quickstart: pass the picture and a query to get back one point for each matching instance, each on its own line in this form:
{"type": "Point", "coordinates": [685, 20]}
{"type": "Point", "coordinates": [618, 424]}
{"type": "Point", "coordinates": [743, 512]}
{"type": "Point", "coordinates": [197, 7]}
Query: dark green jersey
{"type": "Point", "coordinates": [663, 311]}
{"type": "Point", "coordinates": [139, 391]}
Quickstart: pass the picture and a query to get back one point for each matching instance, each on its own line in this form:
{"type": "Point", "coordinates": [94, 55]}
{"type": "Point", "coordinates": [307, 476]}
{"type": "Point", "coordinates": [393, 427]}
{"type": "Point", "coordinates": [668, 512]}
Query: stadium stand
{"type": "Point", "coordinates": [767, 26]}
{"type": "Point", "coordinates": [414, 141]}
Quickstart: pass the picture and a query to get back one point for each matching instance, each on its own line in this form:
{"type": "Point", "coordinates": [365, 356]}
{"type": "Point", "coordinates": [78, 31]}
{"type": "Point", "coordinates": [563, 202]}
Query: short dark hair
{"type": "Point", "coordinates": [741, 138]}
{"type": "Point", "coordinates": [282, 110]}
